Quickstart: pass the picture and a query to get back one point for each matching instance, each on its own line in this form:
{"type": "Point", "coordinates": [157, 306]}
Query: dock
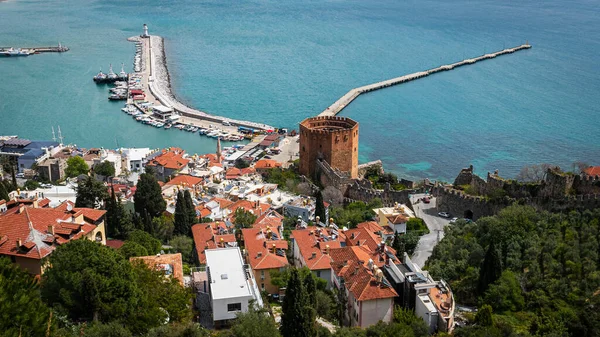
{"type": "Point", "coordinates": [157, 84]}
{"type": "Point", "coordinates": [38, 50]}
{"type": "Point", "coordinates": [351, 95]}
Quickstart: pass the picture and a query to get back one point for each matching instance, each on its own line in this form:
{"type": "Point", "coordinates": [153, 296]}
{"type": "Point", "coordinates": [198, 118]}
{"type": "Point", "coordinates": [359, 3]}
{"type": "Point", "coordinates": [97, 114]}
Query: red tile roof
{"type": "Point", "coordinates": [42, 203]}
{"type": "Point", "coordinates": [372, 242]}
{"type": "Point", "coordinates": [31, 226]}
{"type": "Point", "coordinates": [233, 173]}
{"type": "Point", "coordinates": [160, 261]}
{"type": "Point", "coordinates": [310, 242]}
{"type": "Point", "coordinates": [269, 219]}
{"type": "Point", "coordinates": [205, 238]}
{"type": "Point", "coordinates": [593, 171]}
{"type": "Point", "coordinates": [260, 251]}
{"type": "Point", "coordinates": [90, 214]}
{"type": "Point", "coordinates": [185, 180]}
{"type": "Point", "coordinates": [266, 164]}
{"type": "Point", "coordinates": [224, 203]}
{"type": "Point", "coordinates": [171, 159]}
{"type": "Point", "coordinates": [256, 207]}
{"type": "Point", "coordinates": [351, 263]}
{"type": "Point", "coordinates": [114, 244]}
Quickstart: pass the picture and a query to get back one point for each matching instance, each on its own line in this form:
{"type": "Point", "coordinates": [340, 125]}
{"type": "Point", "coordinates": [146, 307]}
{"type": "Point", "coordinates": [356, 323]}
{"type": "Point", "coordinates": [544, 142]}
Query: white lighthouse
{"type": "Point", "coordinates": [146, 31]}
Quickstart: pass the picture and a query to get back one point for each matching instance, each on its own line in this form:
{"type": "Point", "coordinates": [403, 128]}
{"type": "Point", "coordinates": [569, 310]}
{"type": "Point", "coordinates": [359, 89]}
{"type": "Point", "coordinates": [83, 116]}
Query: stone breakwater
{"type": "Point", "coordinates": [159, 85]}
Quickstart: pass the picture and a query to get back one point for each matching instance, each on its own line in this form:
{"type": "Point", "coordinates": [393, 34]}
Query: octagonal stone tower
{"type": "Point", "coordinates": [333, 139]}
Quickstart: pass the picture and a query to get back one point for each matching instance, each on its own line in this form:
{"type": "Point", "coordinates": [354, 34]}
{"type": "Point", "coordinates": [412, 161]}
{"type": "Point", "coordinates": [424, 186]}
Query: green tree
{"type": "Point", "coordinates": [295, 320]}
{"type": "Point", "coordinates": [243, 218]}
{"type": "Point", "coordinates": [190, 209]}
{"type": "Point", "coordinates": [148, 196]}
{"type": "Point", "coordinates": [405, 243]}
{"type": "Point", "coordinates": [162, 299]}
{"type": "Point", "coordinates": [151, 244]}
{"type": "Point", "coordinates": [131, 249]}
{"type": "Point", "coordinates": [182, 224]}
{"type": "Point", "coordinates": [490, 270]}
{"type": "Point", "coordinates": [118, 220]}
{"type": "Point", "coordinates": [184, 245]}
{"type": "Point", "coordinates": [311, 291]}
{"type": "Point", "coordinates": [90, 193]}
{"type": "Point", "coordinates": [105, 168]}
{"type": "Point", "coordinates": [22, 312]}
{"type": "Point", "coordinates": [188, 329]}
{"type": "Point", "coordinates": [31, 185]}
{"type": "Point", "coordinates": [162, 227]}
{"type": "Point", "coordinates": [241, 163]}
{"type": "Point", "coordinates": [87, 281]}
{"type": "Point", "coordinates": [320, 207]}
{"type": "Point", "coordinates": [484, 316]}
{"type": "Point", "coordinates": [505, 294]}
{"type": "Point", "coordinates": [76, 166]}
{"type": "Point", "coordinates": [254, 323]}
{"type": "Point", "coordinates": [407, 317]}
{"type": "Point", "coordinates": [3, 193]}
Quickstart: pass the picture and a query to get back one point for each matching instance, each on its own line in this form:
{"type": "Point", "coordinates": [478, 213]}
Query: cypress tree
{"type": "Point", "coordinates": [311, 290]}
{"type": "Point", "coordinates": [148, 196]}
{"type": "Point", "coordinates": [294, 319]}
{"type": "Point", "coordinates": [182, 224]}
{"type": "Point", "coordinates": [490, 270]}
{"type": "Point", "coordinates": [112, 217]}
{"type": "Point", "coordinates": [320, 207]}
{"type": "Point", "coordinates": [190, 208]}
{"type": "Point", "coordinates": [3, 193]}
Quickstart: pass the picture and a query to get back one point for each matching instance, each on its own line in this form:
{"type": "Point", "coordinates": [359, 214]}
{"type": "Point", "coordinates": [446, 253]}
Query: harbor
{"type": "Point", "coordinates": [351, 95]}
{"type": "Point", "coordinates": [11, 51]}
{"type": "Point", "coordinates": [149, 100]}
{"type": "Point", "coordinates": [150, 63]}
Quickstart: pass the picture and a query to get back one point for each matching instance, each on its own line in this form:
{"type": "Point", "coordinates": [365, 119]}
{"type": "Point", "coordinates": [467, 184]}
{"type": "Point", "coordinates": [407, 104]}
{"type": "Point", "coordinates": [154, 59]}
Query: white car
{"type": "Point", "coordinates": [444, 214]}
{"type": "Point", "coordinates": [453, 220]}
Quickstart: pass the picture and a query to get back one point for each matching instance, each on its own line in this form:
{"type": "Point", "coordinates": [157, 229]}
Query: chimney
{"type": "Point", "coordinates": [313, 255]}
{"type": "Point", "coordinates": [352, 236]}
{"type": "Point", "coordinates": [51, 229]}
{"type": "Point", "coordinates": [19, 243]}
{"type": "Point", "coordinates": [326, 249]}
{"type": "Point", "coordinates": [222, 243]}
{"type": "Point", "coordinates": [274, 249]}
{"type": "Point", "coordinates": [21, 209]}
{"type": "Point", "coordinates": [259, 255]}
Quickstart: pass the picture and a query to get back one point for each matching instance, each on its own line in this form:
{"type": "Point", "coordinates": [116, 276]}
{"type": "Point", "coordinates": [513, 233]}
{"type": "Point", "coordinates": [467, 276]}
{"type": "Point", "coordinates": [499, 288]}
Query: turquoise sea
{"type": "Point", "coordinates": [281, 61]}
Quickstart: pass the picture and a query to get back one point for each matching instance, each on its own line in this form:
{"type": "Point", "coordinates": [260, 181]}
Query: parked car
{"type": "Point", "coordinates": [21, 175]}
{"type": "Point", "coordinates": [453, 220]}
{"type": "Point", "coordinates": [46, 185]}
{"type": "Point", "coordinates": [444, 214]}
{"type": "Point", "coordinates": [426, 200]}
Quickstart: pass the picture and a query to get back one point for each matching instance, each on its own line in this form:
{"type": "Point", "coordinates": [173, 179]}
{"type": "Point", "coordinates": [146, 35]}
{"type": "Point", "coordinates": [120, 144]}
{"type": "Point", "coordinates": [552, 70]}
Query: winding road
{"type": "Point", "coordinates": [435, 223]}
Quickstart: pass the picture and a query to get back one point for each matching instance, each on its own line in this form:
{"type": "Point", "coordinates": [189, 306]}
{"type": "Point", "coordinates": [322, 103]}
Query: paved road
{"type": "Point", "coordinates": [435, 223]}
{"type": "Point", "coordinates": [289, 147]}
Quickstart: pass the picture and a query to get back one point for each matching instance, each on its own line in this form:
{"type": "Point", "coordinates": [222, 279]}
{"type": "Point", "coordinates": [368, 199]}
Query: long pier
{"type": "Point", "coordinates": [158, 82]}
{"type": "Point", "coordinates": [37, 50]}
{"type": "Point", "coordinates": [351, 95]}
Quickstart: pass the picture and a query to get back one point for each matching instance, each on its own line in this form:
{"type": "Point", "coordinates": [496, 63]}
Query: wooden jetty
{"type": "Point", "coordinates": [351, 95]}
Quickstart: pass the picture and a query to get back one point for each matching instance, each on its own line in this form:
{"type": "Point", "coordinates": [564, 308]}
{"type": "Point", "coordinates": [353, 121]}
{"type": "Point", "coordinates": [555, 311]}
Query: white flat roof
{"type": "Point", "coordinates": [162, 108]}
{"type": "Point", "coordinates": [227, 274]}
{"type": "Point", "coordinates": [236, 155]}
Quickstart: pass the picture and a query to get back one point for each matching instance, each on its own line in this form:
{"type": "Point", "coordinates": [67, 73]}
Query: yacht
{"type": "Point", "coordinates": [123, 74]}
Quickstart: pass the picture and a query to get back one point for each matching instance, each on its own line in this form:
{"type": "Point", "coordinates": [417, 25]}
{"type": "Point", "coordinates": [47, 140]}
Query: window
{"type": "Point", "coordinates": [234, 307]}
{"type": "Point", "coordinates": [262, 286]}
{"type": "Point", "coordinates": [318, 273]}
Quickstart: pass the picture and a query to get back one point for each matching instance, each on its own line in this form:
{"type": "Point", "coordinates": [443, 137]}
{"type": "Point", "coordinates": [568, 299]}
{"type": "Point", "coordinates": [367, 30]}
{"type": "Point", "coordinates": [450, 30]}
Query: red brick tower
{"type": "Point", "coordinates": [333, 139]}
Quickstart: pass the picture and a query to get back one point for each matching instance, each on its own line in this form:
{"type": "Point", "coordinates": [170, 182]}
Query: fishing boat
{"type": "Point", "coordinates": [100, 77]}
{"type": "Point", "coordinates": [168, 126]}
{"type": "Point", "coordinates": [111, 77]}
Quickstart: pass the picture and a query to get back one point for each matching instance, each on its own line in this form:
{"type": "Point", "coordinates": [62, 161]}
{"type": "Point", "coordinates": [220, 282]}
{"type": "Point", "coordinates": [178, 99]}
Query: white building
{"type": "Point", "coordinates": [395, 217]}
{"type": "Point", "coordinates": [231, 282]}
{"type": "Point", "coordinates": [133, 158]}
{"type": "Point", "coordinates": [111, 157]}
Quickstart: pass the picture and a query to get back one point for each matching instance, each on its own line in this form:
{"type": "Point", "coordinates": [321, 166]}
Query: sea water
{"type": "Point", "coordinates": [279, 62]}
